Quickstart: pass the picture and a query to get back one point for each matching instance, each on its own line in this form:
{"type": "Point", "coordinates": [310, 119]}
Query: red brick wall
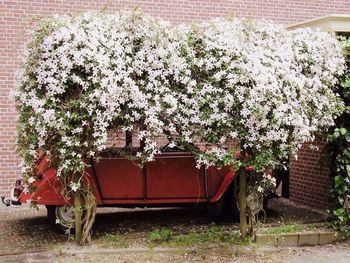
{"type": "Point", "coordinates": [309, 182]}
{"type": "Point", "coordinates": [16, 18]}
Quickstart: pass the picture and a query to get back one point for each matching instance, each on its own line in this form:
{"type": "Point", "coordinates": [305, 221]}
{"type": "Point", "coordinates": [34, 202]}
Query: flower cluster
{"type": "Point", "coordinates": [230, 85]}
{"type": "Point", "coordinates": [259, 85]}
{"type": "Point", "coordinates": [266, 184]}
{"type": "Point", "coordinates": [86, 75]}
{"type": "Point", "coordinates": [260, 183]}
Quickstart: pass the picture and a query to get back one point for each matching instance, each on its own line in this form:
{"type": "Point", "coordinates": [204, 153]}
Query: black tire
{"type": "Point", "coordinates": [215, 210]}
{"type": "Point", "coordinates": [62, 223]}
{"type": "Point", "coordinates": [230, 208]}
{"type": "Point", "coordinates": [226, 208]}
{"type": "Point", "coordinates": [265, 202]}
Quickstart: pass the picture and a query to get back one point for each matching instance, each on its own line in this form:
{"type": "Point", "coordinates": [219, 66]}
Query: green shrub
{"type": "Point", "coordinates": [338, 149]}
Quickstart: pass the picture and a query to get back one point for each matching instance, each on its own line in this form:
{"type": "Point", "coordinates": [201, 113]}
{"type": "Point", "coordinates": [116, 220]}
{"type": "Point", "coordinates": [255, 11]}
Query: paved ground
{"type": "Point", "coordinates": [25, 230]}
{"type": "Point", "coordinates": [335, 253]}
{"type": "Point", "coordinates": [25, 236]}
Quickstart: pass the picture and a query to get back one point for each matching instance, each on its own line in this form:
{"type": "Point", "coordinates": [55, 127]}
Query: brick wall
{"type": "Point", "coordinates": [17, 17]}
{"type": "Point", "coordinates": [309, 182]}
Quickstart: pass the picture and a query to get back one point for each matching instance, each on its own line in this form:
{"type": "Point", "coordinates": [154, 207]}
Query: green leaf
{"type": "Point", "coordinates": [347, 137]}
{"type": "Point", "coordinates": [339, 180]}
{"type": "Point", "coordinates": [342, 131]}
{"type": "Point", "coordinates": [338, 212]}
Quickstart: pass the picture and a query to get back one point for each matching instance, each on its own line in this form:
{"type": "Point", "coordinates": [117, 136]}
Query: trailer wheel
{"type": "Point", "coordinates": [62, 218]}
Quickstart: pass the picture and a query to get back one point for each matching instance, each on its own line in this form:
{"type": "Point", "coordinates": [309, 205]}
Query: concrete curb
{"type": "Point", "coordinates": [297, 239]}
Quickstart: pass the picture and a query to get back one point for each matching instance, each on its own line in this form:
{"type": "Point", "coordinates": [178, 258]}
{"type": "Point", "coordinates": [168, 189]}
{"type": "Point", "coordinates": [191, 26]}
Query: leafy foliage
{"type": "Point", "coordinates": [339, 150]}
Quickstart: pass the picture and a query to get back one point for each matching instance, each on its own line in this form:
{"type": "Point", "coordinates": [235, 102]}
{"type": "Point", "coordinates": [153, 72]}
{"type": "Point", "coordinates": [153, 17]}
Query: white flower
{"type": "Point", "coordinates": [74, 186]}
{"type": "Point", "coordinates": [49, 116]}
{"type": "Point", "coordinates": [25, 189]}
{"type": "Point", "coordinates": [172, 145]}
{"type": "Point", "coordinates": [31, 180]}
{"type": "Point", "coordinates": [313, 147]}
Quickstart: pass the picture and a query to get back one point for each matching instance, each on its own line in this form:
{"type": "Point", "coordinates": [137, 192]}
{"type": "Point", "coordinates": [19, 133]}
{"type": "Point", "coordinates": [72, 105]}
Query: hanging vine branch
{"type": "Point", "coordinates": [229, 84]}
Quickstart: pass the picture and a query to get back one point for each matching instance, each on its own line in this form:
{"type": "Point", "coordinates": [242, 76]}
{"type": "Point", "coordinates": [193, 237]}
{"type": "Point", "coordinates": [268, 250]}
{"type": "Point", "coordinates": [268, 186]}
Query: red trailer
{"type": "Point", "coordinates": [172, 179]}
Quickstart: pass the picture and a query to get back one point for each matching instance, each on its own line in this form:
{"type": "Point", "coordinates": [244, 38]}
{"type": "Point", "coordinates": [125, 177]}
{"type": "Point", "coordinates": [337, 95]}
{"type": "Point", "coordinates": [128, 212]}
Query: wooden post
{"type": "Point", "coordinates": [243, 201]}
{"type": "Point", "coordinates": [77, 215]}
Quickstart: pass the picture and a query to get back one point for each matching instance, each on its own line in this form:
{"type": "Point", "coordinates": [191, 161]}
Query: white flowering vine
{"type": "Point", "coordinates": [74, 186]}
{"type": "Point", "coordinates": [215, 87]}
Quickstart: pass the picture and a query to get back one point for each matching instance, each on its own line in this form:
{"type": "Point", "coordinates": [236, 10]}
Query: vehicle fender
{"type": "Point", "coordinates": [48, 190]}
{"type": "Point", "coordinates": [49, 187]}
{"type": "Point", "coordinates": [225, 183]}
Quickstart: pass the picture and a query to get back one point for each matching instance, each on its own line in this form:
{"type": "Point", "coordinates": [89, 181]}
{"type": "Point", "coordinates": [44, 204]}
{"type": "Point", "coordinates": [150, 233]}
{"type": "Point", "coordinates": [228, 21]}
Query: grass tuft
{"type": "Point", "coordinates": [113, 240]}
{"type": "Point", "coordinates": [291, 228]}
{"type": "Point", "coordinates": [207, 236]}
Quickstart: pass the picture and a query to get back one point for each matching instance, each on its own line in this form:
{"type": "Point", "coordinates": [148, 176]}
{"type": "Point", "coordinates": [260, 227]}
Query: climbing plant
{"type": "Point", "coordinates": [216, 88]}
{"type": "Point", "coordinates": [338, 148]}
